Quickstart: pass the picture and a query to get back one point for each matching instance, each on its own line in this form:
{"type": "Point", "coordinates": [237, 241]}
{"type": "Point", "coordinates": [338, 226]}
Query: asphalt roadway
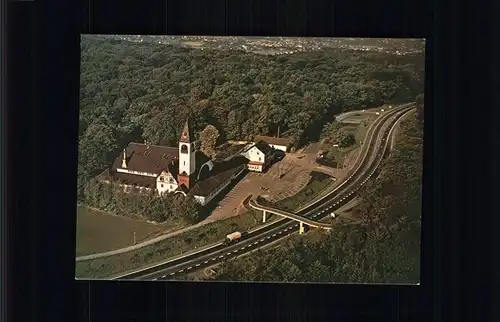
{"type": "Point", "coordinates": [374, 152]}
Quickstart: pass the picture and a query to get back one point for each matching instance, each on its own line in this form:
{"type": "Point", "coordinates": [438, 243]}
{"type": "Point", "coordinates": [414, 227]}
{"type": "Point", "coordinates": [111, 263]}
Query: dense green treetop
{"type": "Point", "coordinates": [135, 91]}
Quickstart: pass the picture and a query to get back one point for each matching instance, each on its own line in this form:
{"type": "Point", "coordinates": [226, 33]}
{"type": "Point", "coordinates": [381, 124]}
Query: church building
{"type": "Point", "coordinates": [183, 169]}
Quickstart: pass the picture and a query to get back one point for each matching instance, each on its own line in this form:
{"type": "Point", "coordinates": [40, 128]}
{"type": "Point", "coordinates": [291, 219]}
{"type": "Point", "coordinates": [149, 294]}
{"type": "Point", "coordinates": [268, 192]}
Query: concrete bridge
{"type": "Point", "coordinates": [252, 203]}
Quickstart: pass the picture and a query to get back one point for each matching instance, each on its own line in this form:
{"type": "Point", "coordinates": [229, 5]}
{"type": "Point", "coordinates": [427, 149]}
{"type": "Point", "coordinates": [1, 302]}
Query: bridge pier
{"type": "Point", "coordinates": [301, 228]}
{"type": "Point", "coordinates": [264, 216]}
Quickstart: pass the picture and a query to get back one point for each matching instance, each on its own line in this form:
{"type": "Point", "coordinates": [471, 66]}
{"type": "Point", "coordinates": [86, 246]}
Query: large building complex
{"type": "Point", "coordinates": [183, 169]}
{"type": "Point", "coordinates": [186, 170]}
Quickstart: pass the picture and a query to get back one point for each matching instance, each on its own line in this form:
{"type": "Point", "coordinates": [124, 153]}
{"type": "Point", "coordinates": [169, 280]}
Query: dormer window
{"type": "Point", "coordinates": [162, 178]}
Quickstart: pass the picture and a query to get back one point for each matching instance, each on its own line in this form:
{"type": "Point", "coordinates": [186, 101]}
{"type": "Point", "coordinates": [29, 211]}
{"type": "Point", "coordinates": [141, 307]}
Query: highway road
{"type": "Point", "coordinates": [376, 143]}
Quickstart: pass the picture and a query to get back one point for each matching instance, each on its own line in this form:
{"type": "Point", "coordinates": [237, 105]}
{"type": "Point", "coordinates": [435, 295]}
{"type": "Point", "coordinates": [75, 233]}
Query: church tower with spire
{"type": "Point", "coordinates": [187, 160]}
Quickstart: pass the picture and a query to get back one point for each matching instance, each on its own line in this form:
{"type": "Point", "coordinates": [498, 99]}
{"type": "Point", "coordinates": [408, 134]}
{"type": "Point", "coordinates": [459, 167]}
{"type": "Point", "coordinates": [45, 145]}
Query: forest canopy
{"type": "Point", "coordinates": [143, 91]}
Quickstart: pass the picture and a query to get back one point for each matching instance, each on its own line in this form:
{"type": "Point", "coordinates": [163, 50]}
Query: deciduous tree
{"type": "Point", "coordinates": [208, 138]}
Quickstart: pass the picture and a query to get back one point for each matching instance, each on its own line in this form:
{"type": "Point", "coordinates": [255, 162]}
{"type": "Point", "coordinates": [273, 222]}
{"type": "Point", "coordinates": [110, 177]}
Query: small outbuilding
{"type": "Point", "coordinates": [282, 144]}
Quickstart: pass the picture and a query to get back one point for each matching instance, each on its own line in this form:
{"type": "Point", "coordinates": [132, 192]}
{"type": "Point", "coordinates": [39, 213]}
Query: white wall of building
{"type": "Point", "coordinates": [166, 183]}
{"type": "Point", "coordinates": [200, 200]}
{"type": "Point", "coordinates": [137, 172]}
{"type": "Point", "coordinates": [255, 155]}
{"type": "Point", "coordinates": [187, 162]}
{"type": "Point", "coordinates": [255, 167]}
{"type": "Point", "coordinates": [127, 187]}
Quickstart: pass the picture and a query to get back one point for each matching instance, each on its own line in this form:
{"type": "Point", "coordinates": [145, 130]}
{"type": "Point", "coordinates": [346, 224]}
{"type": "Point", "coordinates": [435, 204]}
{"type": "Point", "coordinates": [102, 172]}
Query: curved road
{"type": "Point", "coordinates": [372, 156]}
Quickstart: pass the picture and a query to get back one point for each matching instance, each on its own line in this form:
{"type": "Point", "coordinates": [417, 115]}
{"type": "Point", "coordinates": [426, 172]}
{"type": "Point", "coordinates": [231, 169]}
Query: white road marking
{"type": "Point", "coordinates": [190, 267]}
{"type": "Point", "coordinates": [274, 235]}
{"type": "Point", "coordinates": [154, 279]}
{"type": "Point", "coordinates": [164, 276]}
{"type": "Point", "coordinates": [205, 262]}
{"type": "Point", "coordinates": [214, 259]}
{"type": "Point", "coordinates": [197, 265]}
{"type": "Point", "coordinates": [221, 256]}
{"type": "Point", "coordinates": [172, 273]}
{"type": "Point", "coordinates": [255, 243]}
{"type": "Point", "coordinates": [181, 271]}
{"type": "Point", "coordinates": [262, 239]}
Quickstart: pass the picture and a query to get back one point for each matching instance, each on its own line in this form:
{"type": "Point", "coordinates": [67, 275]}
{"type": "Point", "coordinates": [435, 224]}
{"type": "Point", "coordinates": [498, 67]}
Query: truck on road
{"type": "Point", "coordinates": [234, 237]}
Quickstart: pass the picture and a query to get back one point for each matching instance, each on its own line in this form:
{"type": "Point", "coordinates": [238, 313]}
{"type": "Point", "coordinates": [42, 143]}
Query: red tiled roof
{"type": "Point", "coordinates": [200, 159]}
{"type": "Point", "coordinates": [273, 140]}
{"type": "Point", "coordinates": [264, 147]}
{"type": "Point", "coordinates": [153, 160]}
{"type": "Point", "coordinates": [221, 172]}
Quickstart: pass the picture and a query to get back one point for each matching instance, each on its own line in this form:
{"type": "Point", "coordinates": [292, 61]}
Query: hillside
{"type": "Point", "coordinates": [135, 91]}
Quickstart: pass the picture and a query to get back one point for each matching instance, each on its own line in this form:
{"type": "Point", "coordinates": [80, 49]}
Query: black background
{"type": "Point", "coordinates": [460, 194]}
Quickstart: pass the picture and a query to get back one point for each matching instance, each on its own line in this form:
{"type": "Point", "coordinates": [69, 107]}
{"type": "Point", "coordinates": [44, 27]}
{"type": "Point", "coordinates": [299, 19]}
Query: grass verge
{"type": "Point", "coordinates": [335, 155]}
{"type": "Point", "coordinates": [319, 181]}
{"type": "Point", "coordinates": [207, 234]}
{"type": "Point", "coordinates": [98, 231]}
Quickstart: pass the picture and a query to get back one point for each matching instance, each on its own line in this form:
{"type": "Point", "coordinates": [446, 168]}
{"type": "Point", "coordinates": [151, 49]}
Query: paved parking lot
{"type": "Point", "coordinates": [282, 180]}
{"type": "Point", "coordinates": [294, 178]}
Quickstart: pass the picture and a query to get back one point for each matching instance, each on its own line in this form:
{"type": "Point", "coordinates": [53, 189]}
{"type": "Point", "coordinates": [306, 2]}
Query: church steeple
{"type": "Point", "coordinates": [187, 159]}
{"type": "Point", "coordinates": [186, 134]}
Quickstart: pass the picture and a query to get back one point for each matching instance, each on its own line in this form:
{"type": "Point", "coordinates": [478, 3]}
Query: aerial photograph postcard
{"type": "Point", "coordinates": [250, 159]}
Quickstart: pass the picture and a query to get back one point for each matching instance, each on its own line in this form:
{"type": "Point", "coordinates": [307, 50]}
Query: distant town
{"type": "Point", "coordinates": [281, 45]}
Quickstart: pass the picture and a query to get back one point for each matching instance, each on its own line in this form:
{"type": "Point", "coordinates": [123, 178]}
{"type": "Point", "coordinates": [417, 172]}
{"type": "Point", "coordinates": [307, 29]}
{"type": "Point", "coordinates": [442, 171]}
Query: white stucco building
{"type": "Point", "coordinates": [260, 155]}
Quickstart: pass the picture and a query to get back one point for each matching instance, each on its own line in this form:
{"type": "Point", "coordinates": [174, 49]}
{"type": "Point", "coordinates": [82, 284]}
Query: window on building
{"type": "Point", "coordinates": [260, 159]}
{"type": "Point", "coordinates": [161, 185]}
{"type": "Point", "coordinates": [184, 162]}
{"type": "Point", "coordinates": [161, 178]}
{"type": "Point", "coordinates": [170, 187]}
